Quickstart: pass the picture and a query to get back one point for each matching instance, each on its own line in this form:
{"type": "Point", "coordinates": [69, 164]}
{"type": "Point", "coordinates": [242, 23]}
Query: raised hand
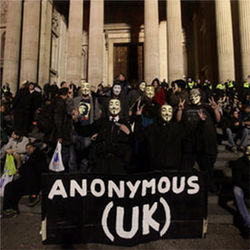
{"type": "Point", "coordinates": [75, 114]}
{"type": "Point", "coordinates": [213, 104]}
{"type": "Point", "coordinates": [202, 115]}
{"type": "Point", "coordinates": [181, 104]}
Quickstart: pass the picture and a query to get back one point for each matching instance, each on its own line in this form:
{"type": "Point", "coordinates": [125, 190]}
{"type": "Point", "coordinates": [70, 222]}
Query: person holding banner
{"type": "Point", "coordinates": [110, 151]}
{"type": "Point", "coordinates": [27, 183]}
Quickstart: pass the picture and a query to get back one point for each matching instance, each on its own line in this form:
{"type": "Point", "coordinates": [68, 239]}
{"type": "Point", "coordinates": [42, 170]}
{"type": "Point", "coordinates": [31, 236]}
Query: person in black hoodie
{"type": "Point", "coordinates": [110, 150]}
{"type": "Point", "coordinates": [163, 141]}
{"type": "Point", "coordinates": [21, 109]}
{"type": "Point", "coordinates": [28, 181]}
{"type": "Point", "coordinates": [200, 143]}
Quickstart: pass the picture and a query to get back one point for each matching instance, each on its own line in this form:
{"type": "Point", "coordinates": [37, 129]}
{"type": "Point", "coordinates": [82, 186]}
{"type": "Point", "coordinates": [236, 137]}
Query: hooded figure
{"type": "Point", "coordinates": [200, 142]}
{"type": "Point", "coordinates": [162, 141]}
{"type": "Point", "coordinates": [110, 149]}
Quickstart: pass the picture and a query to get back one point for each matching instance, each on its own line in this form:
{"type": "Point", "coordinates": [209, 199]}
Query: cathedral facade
{"type": "Point", "coordinates": [94, 40]}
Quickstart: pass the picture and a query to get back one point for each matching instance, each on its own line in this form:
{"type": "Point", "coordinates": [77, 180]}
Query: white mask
{"type": "Point", "coordinates": [195, 96]}
{"type": "Point", "coordinates": [117, 89]}
{"type": "Point", "coordinates": [85, 88]}
{"type": "Point", "coordinates": [166, 112]}
{"type": "Point", "coordinates": [114, 106]}
{"type": "Point", "coordinates": [142, 86]}
{"type": "Point", "coordinates": [150, 92]}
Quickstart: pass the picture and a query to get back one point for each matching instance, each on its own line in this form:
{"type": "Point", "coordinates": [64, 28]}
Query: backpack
{"type": "Point", "coordinates": [45, 118]}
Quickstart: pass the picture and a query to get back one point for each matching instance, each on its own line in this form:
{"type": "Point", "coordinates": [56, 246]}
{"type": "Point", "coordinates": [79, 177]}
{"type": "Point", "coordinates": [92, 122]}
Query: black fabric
{"type": "Point", "coordinates": [111, 151]}
{"type": "Point", "coordinates": [163, 143]}
{"type": "Point", "coordinates": [21, 111]}
{"type": "Point", "coordinates": [241, 174]}
{"type": "Point", "coordinates": [200, 135]}
{"type": "Point", "coordinates": [29, 181]}
{"type": "Point", "coordinates": [62, 122]}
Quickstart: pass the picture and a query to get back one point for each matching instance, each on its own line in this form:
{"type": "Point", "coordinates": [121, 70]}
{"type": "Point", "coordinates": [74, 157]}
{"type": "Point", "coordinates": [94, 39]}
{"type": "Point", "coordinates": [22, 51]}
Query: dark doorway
{"type": "Point", "coordinates": [128, 59]}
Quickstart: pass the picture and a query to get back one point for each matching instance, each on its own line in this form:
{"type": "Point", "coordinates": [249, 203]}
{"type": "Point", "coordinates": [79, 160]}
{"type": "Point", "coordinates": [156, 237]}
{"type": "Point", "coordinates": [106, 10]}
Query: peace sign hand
{"type": "Point", "coordinates": [213, 104]}
{"type": "Point", "coordinates": [181, 104]}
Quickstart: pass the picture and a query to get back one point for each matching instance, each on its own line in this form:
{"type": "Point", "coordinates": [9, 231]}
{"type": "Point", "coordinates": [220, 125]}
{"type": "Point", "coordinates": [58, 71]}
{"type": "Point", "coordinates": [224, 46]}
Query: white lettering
{"type": "Point", "coordinates": [105, 221]}
{"type": "Point", "coordinates": [168, 216]}
{"type": "Point", "coordinates": [180, 189]}
{"type": "Point", "coordinates": [166, 182]}
{"type": "Point", "coordinates": [75, 187]}
{"type": "Point", "coordinates": [133, 188]}
{"type": "Point", "coordinates": [57, 189]}
{"type": "Point", "coordinates": [147, 220]}
{"type": "Point", "coordinates": [195, 186]}
{"type": "Point", "coordinates": [118, 190]}
{"type": "Point", "coordinates": [120, 220]}
{"type": "Point", "coordinates": [148, 184]}
{"type": "Point", "coordinates": [93, 187]}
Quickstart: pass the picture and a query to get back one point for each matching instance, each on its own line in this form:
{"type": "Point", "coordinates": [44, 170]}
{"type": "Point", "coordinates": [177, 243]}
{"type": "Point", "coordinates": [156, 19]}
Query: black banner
{"type": "Point", "coordinates": [123, 210]}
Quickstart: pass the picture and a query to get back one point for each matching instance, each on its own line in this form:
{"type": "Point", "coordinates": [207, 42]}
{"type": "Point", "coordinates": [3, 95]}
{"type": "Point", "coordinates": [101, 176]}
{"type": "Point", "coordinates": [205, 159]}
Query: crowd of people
{"type": "Point", "coordinates": [124, 128]}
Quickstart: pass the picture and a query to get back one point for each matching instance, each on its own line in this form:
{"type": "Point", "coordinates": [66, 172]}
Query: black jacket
{"type": "Point", "coordinates": [163, 144]}
{"type": "Point", "coordinates": [62, 123]}
{"type": "Point", "coordinates": [32, 170]}
{"type": "Point", "coordinates": [111, 152]}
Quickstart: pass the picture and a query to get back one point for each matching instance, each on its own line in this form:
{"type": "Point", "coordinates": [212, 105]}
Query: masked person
{"type": "Point", "coordinates": [200, 143]}
{"type": "Point", "coordinates": [110, 150]}
{"type": "Point", "coordinates": [162, 141]}
{"type": "Point", "coordinates": [150, 106]}
{"type": "Point", "coordinates": [117, 93]}
{"type": "Point", "coordinates": [89, 110]}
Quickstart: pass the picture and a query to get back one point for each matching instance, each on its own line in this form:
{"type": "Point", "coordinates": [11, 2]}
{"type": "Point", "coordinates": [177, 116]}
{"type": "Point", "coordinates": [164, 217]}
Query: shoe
{"type": "Point", "coordinates": [9, 213]}
{"type": "Point", "coordinates": [33, 200]}
{"type": "Point", "coordinates": [241, 148]}
{"type": "Point", "coordinates": [234, 149]}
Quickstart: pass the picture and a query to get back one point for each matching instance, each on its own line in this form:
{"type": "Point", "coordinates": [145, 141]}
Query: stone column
{"type": "Point", "coordinates": [224, 31]}
{"type": "Point", "coordinates": [95, 65]}
{"type": "Point", "coordinates": [151, 41]}
{"type": "Point", "coordinates": [163, 51]}
{"type": "Point", "coordinates": [75, 30]}
{"type": "Point", "coordinates": [12, 44]}
{"type": "Point", "coordinates": [175, 41]}
{"type": "Point", "coordinates": [30, 40]}
{"type": "Point", "coordinates": [244, 19]}
{"type": "Point", "coordinates": [45, 43]}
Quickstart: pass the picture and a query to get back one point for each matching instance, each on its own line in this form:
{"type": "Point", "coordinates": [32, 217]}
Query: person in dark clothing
{"type": "Point", "coordinates": [110, 151]}
{"type": "Point", "coordinates": [241, 179]}
{"type": "Point", "coordinates": [117, 93]}
{"type": "Point", "coordinates": [62, 131]}
{"type": "Point", "coordinates": [35, 101]}
{"type": "Point", "coordinates": [162, 142]}
{"type": "Point", "coordinates": [89, 111]}
{"type": "Point", "coordinates": [21, 110]}
{"type": "Point", "coordinates": [178, 92]}
{"type": "Point", "coordinates": [200, 143]}
{"type": "Point", "coordinates": [150, 107]}
{"type": "Point", "coordinates": [28, 181]}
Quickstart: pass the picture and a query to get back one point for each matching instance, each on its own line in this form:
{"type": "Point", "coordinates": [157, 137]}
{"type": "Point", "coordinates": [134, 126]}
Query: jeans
{"type": "Point", "coordinates": [241, 134]}
{"type": "Point", "coordinates": [241, 205]}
